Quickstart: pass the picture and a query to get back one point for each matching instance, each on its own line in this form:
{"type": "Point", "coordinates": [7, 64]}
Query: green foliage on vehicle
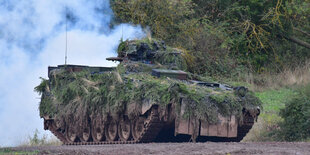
{"type": "Point", "coordinates": [110, 92]}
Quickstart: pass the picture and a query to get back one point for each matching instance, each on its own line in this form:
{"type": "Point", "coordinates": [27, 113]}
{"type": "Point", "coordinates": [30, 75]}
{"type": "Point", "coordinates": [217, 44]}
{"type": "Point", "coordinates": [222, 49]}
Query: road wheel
{"type": "Point", "coordinates": [124, 129]}
{"type": "Point", "coordinates": [98, 129]}
{"type": "Point", "coordinates": [71, 135]}
{"type": "Point", "coordinates": [111, 130]}
{"type": "Point", "coordinates": [86, 134]}
{"type": "Point", "coordinates": [137, 128]}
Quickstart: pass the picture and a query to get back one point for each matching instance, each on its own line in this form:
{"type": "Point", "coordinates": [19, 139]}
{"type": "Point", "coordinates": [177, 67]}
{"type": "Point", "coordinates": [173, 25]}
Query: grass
{"type": "Point", "coordinates": [273, 100]}
{"type": "Point", "coordinates": [34, 140]}
{"type": "Point", "coordinates": [37, 140]}
{"type": "Point", "coordinates": [8, 151]}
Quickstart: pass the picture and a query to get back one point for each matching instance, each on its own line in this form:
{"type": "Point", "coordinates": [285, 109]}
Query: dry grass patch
{"type": "Point", "coordinates": [44, 140]}
{"type": "Point", "coordinates": [287, 78]}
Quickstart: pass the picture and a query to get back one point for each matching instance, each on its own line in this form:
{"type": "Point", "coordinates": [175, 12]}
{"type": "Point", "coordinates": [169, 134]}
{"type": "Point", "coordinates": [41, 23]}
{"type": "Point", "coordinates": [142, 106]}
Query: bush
{"type": "Point", "coordinates": [296, 115]}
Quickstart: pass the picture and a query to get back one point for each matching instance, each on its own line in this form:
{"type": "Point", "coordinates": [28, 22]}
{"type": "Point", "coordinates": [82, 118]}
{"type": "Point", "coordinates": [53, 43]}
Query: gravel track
{"type": "Point", "coordinates": [273, 148]}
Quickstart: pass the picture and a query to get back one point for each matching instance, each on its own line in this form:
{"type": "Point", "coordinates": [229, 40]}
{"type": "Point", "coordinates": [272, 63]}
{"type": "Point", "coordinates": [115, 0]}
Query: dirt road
{"type": "Point", "coordinates": [272, 148]}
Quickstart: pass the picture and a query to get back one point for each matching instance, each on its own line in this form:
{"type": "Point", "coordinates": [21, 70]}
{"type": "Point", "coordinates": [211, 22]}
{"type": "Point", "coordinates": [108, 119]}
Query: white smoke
{"type": "Point", "coordinates": [32, 37]}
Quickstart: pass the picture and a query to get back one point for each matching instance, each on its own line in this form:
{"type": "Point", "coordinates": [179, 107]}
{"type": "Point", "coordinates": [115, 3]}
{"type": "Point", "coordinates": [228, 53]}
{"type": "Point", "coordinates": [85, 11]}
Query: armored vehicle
{"type": "Point", "coordinates": [148, 97]}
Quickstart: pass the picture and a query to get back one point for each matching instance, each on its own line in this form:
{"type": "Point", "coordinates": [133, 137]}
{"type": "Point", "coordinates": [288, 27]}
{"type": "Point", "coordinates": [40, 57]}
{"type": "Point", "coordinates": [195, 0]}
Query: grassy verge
{"type": "Point", "coordinates": [5, 151]}
{"type": "Point", "coordinates": [37, 140]}
{"type": "Point", "coordinates": [273, 100]}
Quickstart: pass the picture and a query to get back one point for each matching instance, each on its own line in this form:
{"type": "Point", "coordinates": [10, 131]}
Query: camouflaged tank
{"type": "Point", "coordinates": [148, 97]}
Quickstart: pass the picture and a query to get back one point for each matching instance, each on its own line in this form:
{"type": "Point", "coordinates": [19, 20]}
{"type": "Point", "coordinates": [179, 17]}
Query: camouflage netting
{"type": "Point", "coordinates": [109, 93]}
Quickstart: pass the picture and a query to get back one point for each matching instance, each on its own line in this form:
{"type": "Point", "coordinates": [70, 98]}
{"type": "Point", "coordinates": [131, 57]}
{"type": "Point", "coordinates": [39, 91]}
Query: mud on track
{"type": "Point", "coordinates": [273, 148]}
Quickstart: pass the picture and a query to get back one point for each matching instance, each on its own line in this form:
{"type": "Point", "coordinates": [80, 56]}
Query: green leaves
{"type": "Point", "coordinates": [296, 115]}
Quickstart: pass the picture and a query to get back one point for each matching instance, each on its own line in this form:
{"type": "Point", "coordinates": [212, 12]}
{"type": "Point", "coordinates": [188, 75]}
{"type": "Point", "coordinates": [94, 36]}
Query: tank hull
{"type": "Point", "coordinates": [158, 125]}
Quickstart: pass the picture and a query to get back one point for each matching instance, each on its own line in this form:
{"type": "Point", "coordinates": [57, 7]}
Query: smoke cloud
{"type": "Point", "coordinates": [33, 37]}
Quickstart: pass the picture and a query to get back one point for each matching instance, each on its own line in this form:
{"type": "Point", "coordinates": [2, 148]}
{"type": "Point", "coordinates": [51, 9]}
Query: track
{"type": "Point", "coordinates": [151, 127]}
